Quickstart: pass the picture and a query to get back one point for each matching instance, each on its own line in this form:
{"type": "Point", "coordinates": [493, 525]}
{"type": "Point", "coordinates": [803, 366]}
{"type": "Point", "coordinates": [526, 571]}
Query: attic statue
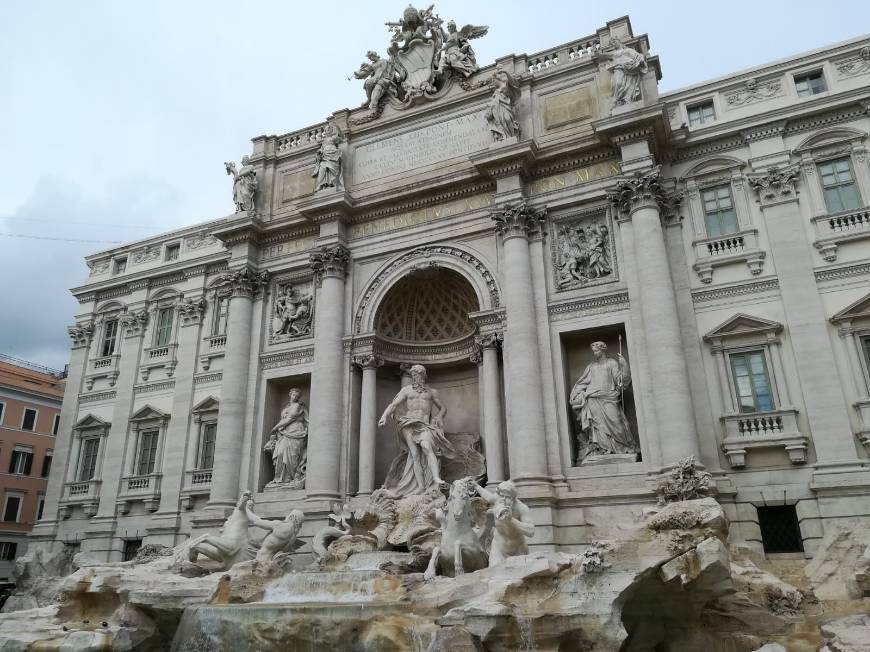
{"type": "Point", "coordinates": [245, 185]}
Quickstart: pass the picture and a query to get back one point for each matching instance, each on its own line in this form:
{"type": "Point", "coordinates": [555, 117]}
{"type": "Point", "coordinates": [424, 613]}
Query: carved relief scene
{"type": "Point", "coordinates": [292, 310]}
{"type": "Point", "coordinates": [583, 252]}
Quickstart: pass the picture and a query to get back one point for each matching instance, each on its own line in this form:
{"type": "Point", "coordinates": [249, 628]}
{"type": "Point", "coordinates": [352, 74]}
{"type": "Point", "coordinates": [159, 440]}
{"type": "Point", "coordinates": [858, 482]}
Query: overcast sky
{"type": "Point", "coordinates": [116, 117]}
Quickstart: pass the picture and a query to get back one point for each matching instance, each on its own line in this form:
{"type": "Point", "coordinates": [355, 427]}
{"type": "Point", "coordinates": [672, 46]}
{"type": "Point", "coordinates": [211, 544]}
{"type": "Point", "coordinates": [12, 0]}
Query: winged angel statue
{"type": "Point", "coordinates": [422, 61]}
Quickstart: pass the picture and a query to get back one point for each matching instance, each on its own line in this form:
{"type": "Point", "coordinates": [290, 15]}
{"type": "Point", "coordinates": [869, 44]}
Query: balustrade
{"type": "Point", "coordinates": [775, 429]}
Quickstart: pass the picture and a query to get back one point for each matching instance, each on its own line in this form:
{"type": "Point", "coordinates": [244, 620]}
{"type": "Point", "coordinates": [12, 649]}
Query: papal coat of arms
{"type": "Point", "coordinates": [423, 59]}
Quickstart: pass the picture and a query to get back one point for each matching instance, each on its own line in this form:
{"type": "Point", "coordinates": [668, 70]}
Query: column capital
{"type": "Point", "coordinates": [245, 282]}
{"type": "Point", "coordinates": [776, 184]}
{"type": "Point", "coordinates": [643, 190]}
{"type": "Point", "coordinates": [489, 340]}
{"type": "Point", "coordinates": [330, 260]}
{"type": "Point", "coordinates": [519, 220]}
{"type": "Point", "coordinates": [368, 361]}
{"type": "Point", "coordinates": [81, 334]}
{"type": "Point", "coordinates": [476, 356]}
{"type": "Point", "coordinates": [134, 322]}
{"type": "Point", "coordinates": [191, 311]}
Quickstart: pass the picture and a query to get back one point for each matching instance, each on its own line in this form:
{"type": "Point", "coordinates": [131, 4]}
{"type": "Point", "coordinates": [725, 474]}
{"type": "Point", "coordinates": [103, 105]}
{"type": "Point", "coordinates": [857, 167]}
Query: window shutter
{"type": "Point", "coordinates": [28, 463]}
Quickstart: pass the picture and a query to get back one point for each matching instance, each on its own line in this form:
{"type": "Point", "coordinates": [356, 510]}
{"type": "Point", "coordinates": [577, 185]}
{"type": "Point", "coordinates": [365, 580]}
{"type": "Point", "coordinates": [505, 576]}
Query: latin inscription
{"type": "Point", "coordinates": [574, 177]}
{"type": "Point", "coordinates": [420, 216]}
{"type": "Point", "coordinates": [287, 248]}
{"type": "Point", "coordinates": [426, 146]}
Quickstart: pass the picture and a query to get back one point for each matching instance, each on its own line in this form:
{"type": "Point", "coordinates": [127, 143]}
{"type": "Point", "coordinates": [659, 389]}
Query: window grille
{"type": "Point", "coordinates": [780, 530]}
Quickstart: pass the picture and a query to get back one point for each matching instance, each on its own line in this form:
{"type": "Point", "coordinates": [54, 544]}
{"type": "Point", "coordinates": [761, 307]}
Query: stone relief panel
{"type": "Point", "coordinates": [292, 309]}
{"type": "Point", "coordinates": [856, 65]}
{"type": "Point", "coordinates": [583, 252]}
{"type": "Point", "coordinates": [753, 91]}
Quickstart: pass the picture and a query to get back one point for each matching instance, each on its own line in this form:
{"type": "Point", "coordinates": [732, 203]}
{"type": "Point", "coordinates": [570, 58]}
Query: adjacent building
{"type": "Point", "coordinates": [30, 400]}
{"type": "Point", "coordinates": [492, 224]}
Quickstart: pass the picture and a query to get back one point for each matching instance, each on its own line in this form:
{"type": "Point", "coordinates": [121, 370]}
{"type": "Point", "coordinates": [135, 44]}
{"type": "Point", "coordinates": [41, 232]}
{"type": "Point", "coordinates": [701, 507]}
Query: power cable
{"type": "Point", "coordinates": [45, 237]}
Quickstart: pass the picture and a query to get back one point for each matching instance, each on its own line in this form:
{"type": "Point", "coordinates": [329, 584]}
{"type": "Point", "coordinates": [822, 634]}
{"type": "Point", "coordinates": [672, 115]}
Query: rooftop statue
{"type": "Point", "coordinates": [501, 114]}
{"type": "Point", "coordinates": [244, 185]}
{"type": "Point", "coordinates": [328, 165]}
{"type": "Point", "coordinates": [627, 67]}
{"type": "Point", "coordinates": [457, 53]}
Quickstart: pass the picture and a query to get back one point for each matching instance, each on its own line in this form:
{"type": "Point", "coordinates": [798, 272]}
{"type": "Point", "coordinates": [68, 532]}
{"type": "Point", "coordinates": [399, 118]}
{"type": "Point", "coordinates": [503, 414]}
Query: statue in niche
{"type": "Point", "coordinates": [584, 254]}
{"type": "Point", "coordinates": [244, 185]}
{"type": "Point", "coordinates": [456, 51]}
{"type": "Point", "coordinates": [293, 311]}
{"type": "Point", "coordinates": [500, 114]}
{"type": "Point", "coordinates": [512, 522]}
{"type": "Point", "coordinates": [596, 399]}
{"type": "Point", "coordinates": [378, 75]}
{"type": "Point", "coordinates": [626, 67]}
{"type": "Point", "coordinates": [288, 444]}
{"type": "Point", "coordinates": [327, 163]}
{"type": "Point", "coordinates": [421, 437]}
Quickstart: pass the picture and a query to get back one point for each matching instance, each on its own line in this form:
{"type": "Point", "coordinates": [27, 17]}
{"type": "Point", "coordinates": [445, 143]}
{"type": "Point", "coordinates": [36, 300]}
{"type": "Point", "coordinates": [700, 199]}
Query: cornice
{"type": "Point", "coordinates": [287, 358]}
{"type": "Point", "coordinates": [728, 291]}
{"type": "Point", "coordinates": [588, 305]}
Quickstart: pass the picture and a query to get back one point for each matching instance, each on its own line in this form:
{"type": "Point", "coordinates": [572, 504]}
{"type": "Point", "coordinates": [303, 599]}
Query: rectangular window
{"type": "Point", "coordinates": [163, 333]}
{"type": "Point", "coordinates": [811, 83]}
{"type": "Point", "coordinates": [701, 114]}
{"type": "Point", "coordinates": [8, 550]}
{"type": "Point", "coordinates": [40, 509]}
{"type": "Point", "coordinates": [719, 215]}
{"type": "Point", "coordinates": [46, 463]}
{"type": "Point", "coordinates": [219, 323]}
{"type": "Point", "coordinates": [55, 424]}
{"type": "Point", "coordinates": [88, 459]}
{"type": "Point", "coordinates": [2, 410]}
{"type": "Point", "coordinates": [131, 547]}
{"type": "Point", "coordinates": [206, 445]}
{"type": "Point", "coordinates": [172, 251]}
{"type": "Point", "coordinates": [751, 382]}
{"type": "Point", "coordinates": [29, 420]}
{"type": "Point", "coordinates": [838, 184]}
{"type": "Point", "coordinates": [110, 338]}
{"type": "Point", "coordinates": [147, 452]}
{"type": "Point", "coordinates": [21, 461]}
{"type": "Point", "coordinates": [12, 508]}
{"type": "Point", "coordinates": [120, 265]}
{"type": "Point", "coordinates": [780, 529]}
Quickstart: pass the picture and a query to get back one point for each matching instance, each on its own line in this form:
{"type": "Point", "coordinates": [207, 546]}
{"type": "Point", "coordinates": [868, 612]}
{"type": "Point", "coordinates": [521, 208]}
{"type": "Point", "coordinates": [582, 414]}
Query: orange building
{"type": "Point", "coordinates": [30, 400]}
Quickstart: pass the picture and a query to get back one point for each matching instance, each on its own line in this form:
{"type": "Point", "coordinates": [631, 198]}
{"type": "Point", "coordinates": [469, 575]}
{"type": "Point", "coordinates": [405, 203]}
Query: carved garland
{"type": "Point", "coordinates": [425, 252]}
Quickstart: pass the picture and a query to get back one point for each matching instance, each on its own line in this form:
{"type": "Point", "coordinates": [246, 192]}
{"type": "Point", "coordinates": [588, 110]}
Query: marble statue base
{"type": "Point", "coordinates": [284, 486]}
{"type": "Point", "coordinates": [612, 458]}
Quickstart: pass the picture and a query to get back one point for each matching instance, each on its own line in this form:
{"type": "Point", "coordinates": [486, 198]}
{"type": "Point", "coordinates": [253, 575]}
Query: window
{"type": "Point", "coordinates": [46, 463]}
{"type": "Point", "coordinates": [219, 322]}
{"type": "Point", "coordinates": [21, 460]}
{"type": "Point", "coordinates": [110, 337]}
{"type": "Point", "coordinates": [55, 424]}
{"type": "Point", "coordinates": [120, 265]}
{"type": "Point", "coordinates": [811, 83]}
{"type": "Point", "coordinates": [147, 452]}
{"type": "Point", "coordinates": [8, 550]}
{"type": "Point", "coordinates": [29, 420]}
{"type": "Point", "coordinates": [751, 382]}
{"type": "Point", "coordinates": [838, 184]}
{"type": "Point", "coordinates": [780, 530]}
{"type": "Point", "coordinates": [163, 334]}
{"type": "Point", "coordinates": [2, 410]}
{"type": "Point", "coordinates": [12, 508]}
{"type": "Point", "coordinates": [701, 114]}
{"type": "Point", "coordinates": [719, 215]}
{"type": "Point", "coordinates": [131, 547]}
{"type": "Point", "coordinates": [40, 509]}
{"type": "Point", "coordinates": [206, 445]}
{"type": "Point", "coordinates": [88, 459]}
{"type": "Point", "coordinates": [172, 251]}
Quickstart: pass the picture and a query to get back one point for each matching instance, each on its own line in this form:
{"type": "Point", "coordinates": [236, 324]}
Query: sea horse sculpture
{"type": "Point", "coordinates": [461, 549]}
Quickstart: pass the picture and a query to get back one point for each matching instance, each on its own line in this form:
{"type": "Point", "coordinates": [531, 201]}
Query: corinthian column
{"type": "Point", "coordinates": [368, 421]}
{"type": "Point", "coordinates": [492, 432]}
{"type": "Point", "coordinates": [325, 416]}
{"type": "Point", "coordinates": [243, 284]}
{"type": "Point", "coordinates": [637, 199]}
{"type": "Point", "coordinates": [527, 446]}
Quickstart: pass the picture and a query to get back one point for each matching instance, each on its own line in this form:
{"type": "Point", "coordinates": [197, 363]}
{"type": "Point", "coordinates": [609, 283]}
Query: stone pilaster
{"type": "Point", "coordinates": [826, 408]}
{"type": "Point", "coordinates": [166, 520]}
{"type": "Point", "coordinates": [641, 199]}
{"type": "Point", "coordinates": [368, 423]}
{"type": "Point", "coordinates": [325, 419]}
{"type": "Point", "coordinates": [244, 285]}
{"type": "Point", "coordinates": [527, 446]}
{"type": "Point", "coordinates": [493, 437]}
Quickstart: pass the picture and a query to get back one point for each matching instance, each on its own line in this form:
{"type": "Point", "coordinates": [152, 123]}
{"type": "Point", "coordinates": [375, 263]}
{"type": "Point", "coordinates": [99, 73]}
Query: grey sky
{"type": "Point", "coordinates": [116, 117]}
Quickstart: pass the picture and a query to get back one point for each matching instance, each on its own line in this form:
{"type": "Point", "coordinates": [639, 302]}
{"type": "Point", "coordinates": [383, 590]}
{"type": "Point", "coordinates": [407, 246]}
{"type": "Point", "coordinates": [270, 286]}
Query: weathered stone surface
{"type": "Point", "coordinates": [850, 634]}
{"type": "Point", "coordinates": [838, 571]}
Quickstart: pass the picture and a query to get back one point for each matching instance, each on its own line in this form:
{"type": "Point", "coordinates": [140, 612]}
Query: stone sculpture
{"type": "Point", "coordinates": [293, 312]}
{"type": "Point", "coordinates": [461, 549]}
{"type": "Point", "coordinates": [421, 437]}
{"type": "Point", "coordinates": [584, 254]}
{"type": "Point", "coordinates": [282, 534]}
{"type": "Point", "coordinates": [596, 400]}
{"type": "Point", "coordinates": [288, 444]}
{"type": "Point", "coordinates": [245, 185]}
{"type": "Point", "coordinates": [378, 76]}
{"type": "Point", "coordinates": [328, 167]}
{"type": "Point", "coordinates": [627, 68]}
{"type": "Point", "coordinates": [501, 114]}
{"type": "Point", "coordinates": [361, 530]}
{"type": "Point", "coordinates": [685, 482]}
{"type": "Point", "coordinates": [456, 51]}
{"type": "Point", "coordinates": [511, 522]}
{"type": "Point", "coordinates": [231, 545]}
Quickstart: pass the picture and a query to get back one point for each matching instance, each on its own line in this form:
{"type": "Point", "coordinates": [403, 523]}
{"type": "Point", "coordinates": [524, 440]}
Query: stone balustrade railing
{"type": "Point", "coordinates": [741, 246]}
{"type": "Point", "coordinates": [574, 51]}
{"type": "Point", "coordinates": [217, 341]}
{"type": "Point", "coordinates": [774, 429]}
{"type": "Point", "coordinates": [833, 230]}
{"type": "Point", "coordinates": [199, 477]}
{"type": "Point", "coordinates": [308, 136]}
{"type": "Point", "coordinates": [83, 491]}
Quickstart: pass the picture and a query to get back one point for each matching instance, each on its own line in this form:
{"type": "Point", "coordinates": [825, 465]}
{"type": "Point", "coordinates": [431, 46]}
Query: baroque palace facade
{"type": "Point", "coordinates": [491, 223]}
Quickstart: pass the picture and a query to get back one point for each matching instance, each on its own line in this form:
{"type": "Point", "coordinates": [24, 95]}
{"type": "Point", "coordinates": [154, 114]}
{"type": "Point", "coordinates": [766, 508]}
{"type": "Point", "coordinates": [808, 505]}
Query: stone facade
{"type": "Point", "coordinates": [716, 237]}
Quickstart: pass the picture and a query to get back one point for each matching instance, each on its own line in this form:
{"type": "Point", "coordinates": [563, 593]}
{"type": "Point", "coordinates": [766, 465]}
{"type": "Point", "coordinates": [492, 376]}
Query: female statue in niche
{"type": "Point", "coordinates": [288, 443]}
